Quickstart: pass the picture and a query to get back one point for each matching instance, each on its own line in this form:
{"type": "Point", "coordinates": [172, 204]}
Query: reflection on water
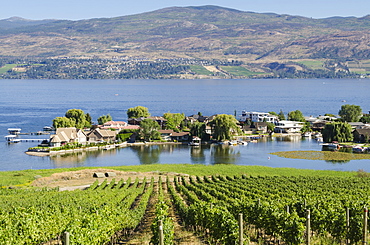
{"type": "Point", "coordinates": [337, 161]}
{"type": "Point", "coordinates": [79, 159]}
{"type": "Point", "coordinates": [224, 154]}
{"type": "Point", "coordinates": [148, 154]}
{"type": "Point", "coordinates": [197, 154]}
{"type": "Point", "coordinates": [251, 154]}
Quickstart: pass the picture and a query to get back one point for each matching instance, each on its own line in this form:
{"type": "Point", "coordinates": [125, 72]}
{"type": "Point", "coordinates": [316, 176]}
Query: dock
{"type": "Point", "coordinates": [32, 140]}
{"type": "Point", "coordinates": [14, 139]}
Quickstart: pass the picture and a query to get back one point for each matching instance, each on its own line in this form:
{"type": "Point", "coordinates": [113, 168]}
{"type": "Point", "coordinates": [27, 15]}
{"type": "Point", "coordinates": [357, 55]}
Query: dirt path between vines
{"type": "Point", "coordinates": [143, 233]}
{"type": "Point", "coordinates": [82, 179]}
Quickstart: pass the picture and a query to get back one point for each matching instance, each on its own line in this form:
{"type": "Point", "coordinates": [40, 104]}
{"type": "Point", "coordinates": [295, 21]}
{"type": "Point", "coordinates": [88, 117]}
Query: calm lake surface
{"type": "Point", "coordinates": [33, 104]}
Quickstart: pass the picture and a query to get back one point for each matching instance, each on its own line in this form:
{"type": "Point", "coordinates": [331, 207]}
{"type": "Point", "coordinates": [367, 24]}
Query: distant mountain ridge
{"type": "Point", "coordinates": [15, 22]}
{"type": "Point", "coordinates": [204, 32]}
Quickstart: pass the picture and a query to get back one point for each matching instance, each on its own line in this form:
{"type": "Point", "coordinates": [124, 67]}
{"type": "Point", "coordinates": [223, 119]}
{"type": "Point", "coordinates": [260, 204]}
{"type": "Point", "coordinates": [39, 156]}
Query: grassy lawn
{"type": "Point", "coordinates": [25, 177]}
{"type": "Point", "coordinates": [200, 70]}
{"type": "Point", "coordinates": [239, 71]}
{"type": "Point", "coordinates": [7, 67]}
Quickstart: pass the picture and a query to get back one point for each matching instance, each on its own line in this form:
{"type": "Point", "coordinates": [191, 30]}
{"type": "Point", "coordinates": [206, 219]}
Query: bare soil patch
{"type": "Point", "coordinates": [83, 178]}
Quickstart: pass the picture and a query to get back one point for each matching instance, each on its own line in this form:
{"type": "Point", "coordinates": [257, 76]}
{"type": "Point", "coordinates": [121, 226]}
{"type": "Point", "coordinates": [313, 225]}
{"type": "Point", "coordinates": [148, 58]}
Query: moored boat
{"type": "Point", "coordinates": [14, 131]}
{"type": "Point", "coordinates": [195, 141]}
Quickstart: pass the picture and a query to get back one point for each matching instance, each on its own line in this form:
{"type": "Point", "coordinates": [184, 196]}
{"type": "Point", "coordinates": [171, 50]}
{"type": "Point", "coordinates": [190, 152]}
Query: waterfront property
{"type": "Point", "coordinates": [136, 121]}
{"type": "Point", "coordinates": [288, 127]}
{"type": "Point", "coordinates": [255, 128]}
{"type": "Point", "coordinates": [361, 135]}
{"type": "Point", "coordinates": [258, 117]}
{"type": "Point", "coordinates": [64, 136]}
{"type": "Point", "coordinates": [101, 135]}
{"type": "Point", "coordinates": [67, 135]}
{"type": "Point", "coordinates": [116, 125]}
{"type": "Point", "coordinates": [170, 135]}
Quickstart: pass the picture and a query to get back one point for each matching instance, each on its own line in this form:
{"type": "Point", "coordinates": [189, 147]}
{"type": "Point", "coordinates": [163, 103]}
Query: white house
{"type": "Point", "coordinates": [258, 117]}
{"type": "Point", "coordinates": [288, 127]}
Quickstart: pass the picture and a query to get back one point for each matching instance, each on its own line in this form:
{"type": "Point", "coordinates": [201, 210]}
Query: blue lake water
{"type": "Point", "coordinates": [33, 104]}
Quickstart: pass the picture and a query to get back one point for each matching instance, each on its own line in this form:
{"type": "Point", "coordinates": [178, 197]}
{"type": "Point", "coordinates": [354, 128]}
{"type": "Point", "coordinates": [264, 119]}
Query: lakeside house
{"type": "Point", "coordinates": [64, 136]}
{"type": "Point", "coordinates": [258, 117]}
{"type": "Point", "coordinates": [361, 135]}
{"type": "Point", "coordinates": [170, 135]}
{"type": "Point", "coordinates": [67, 135]}
{"type": "Point", "coordinates": [136, 121]}
{"type": "Point", "coordinates": [101, 135]}
{"type": "Point", "coordinates": [116, 125]}
{"type": "Point", "coordinates": [254, 128]}
{"type": "Point", "coordinates": [288, 127]}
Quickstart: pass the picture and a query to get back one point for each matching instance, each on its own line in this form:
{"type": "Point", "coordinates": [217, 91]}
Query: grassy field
{"type": "Point", "coordinates": [200, 70]}
{"type": "Point", "coordinates": [25, 177]}
{"type": "Point", "coordinates": [7, 67]}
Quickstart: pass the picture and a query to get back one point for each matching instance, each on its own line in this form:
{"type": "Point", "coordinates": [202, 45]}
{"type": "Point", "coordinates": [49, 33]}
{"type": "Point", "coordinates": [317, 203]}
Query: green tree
{"type": "Point", "coordinates": [296, 116]}
{"type": "Point", "coordinates": [337, 131]}
{"type": "Point", "coordinates": [350, 113]}
{"type": "Point", "coordinates": [78, 117]}
{"type": "Point", "coordinates": [62, 122]}
{"type": "Point", "coordinates": [88, 118]}
{"type": "Point", "coordinates": [105, 118]}
{"type": "Point", "coordinates": [173, 120]}
{"type": "Point", "coordinates": [223, 127]}
{"type": "Point", "coordinates": [138, 111]}
{"type": "Point", "coordinates": [198, 129]}
{"type": "Point", "coordinates": [365, 118]}
{"type": "Point", "coordinates": [273, 113]}
{"type": "Point", "coordinates": [306, 127]}
{"type": "Point", "coordinates": [270, 127]}
{"type": "Point", "coordinates": [281, 115]}
{"type": "Point", "coordinates": [149, 130]}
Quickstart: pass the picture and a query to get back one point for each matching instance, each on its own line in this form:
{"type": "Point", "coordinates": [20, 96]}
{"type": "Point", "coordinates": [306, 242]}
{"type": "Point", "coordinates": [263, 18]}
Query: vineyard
{"type": "Point", "coordinates": [272, 209]}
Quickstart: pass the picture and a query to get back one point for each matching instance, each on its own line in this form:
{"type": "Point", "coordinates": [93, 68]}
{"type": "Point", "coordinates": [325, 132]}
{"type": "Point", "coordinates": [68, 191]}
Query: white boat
{"type": "Point", "coordinates": [14, 131]}
{"type": "Point", "coordinates": [307, 134]}
{"type": "Point", "coordinates": [319, 139]}
{"type": "Point", "coordinates": [331, 146]}
{"type": "Point", "coordinates": [358, 149]}
{"type": "Point", "coordinates": [48, 128]}
{"type": "Point", "coordinates": [195, 141]}
{"type": "Point", "coordinates": [242, 142]}
{"type": "Point", "coordinates": [12, 138]}
{"type": "Point", "coordinates": [233, 142]}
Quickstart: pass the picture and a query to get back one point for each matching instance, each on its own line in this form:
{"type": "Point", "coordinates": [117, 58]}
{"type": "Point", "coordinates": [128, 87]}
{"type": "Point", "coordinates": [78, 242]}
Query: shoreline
{"type": "Point", "coordinates": [96, 148]}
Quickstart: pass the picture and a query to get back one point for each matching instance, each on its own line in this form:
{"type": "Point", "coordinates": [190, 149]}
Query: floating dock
{"type": "Point", "coordinates": [14, 139]}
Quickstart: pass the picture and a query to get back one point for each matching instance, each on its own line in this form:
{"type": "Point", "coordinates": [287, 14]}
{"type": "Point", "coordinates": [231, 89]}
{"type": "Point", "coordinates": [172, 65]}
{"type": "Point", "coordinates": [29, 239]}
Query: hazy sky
{"type": "Point", "coordinates": [86, 9]}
